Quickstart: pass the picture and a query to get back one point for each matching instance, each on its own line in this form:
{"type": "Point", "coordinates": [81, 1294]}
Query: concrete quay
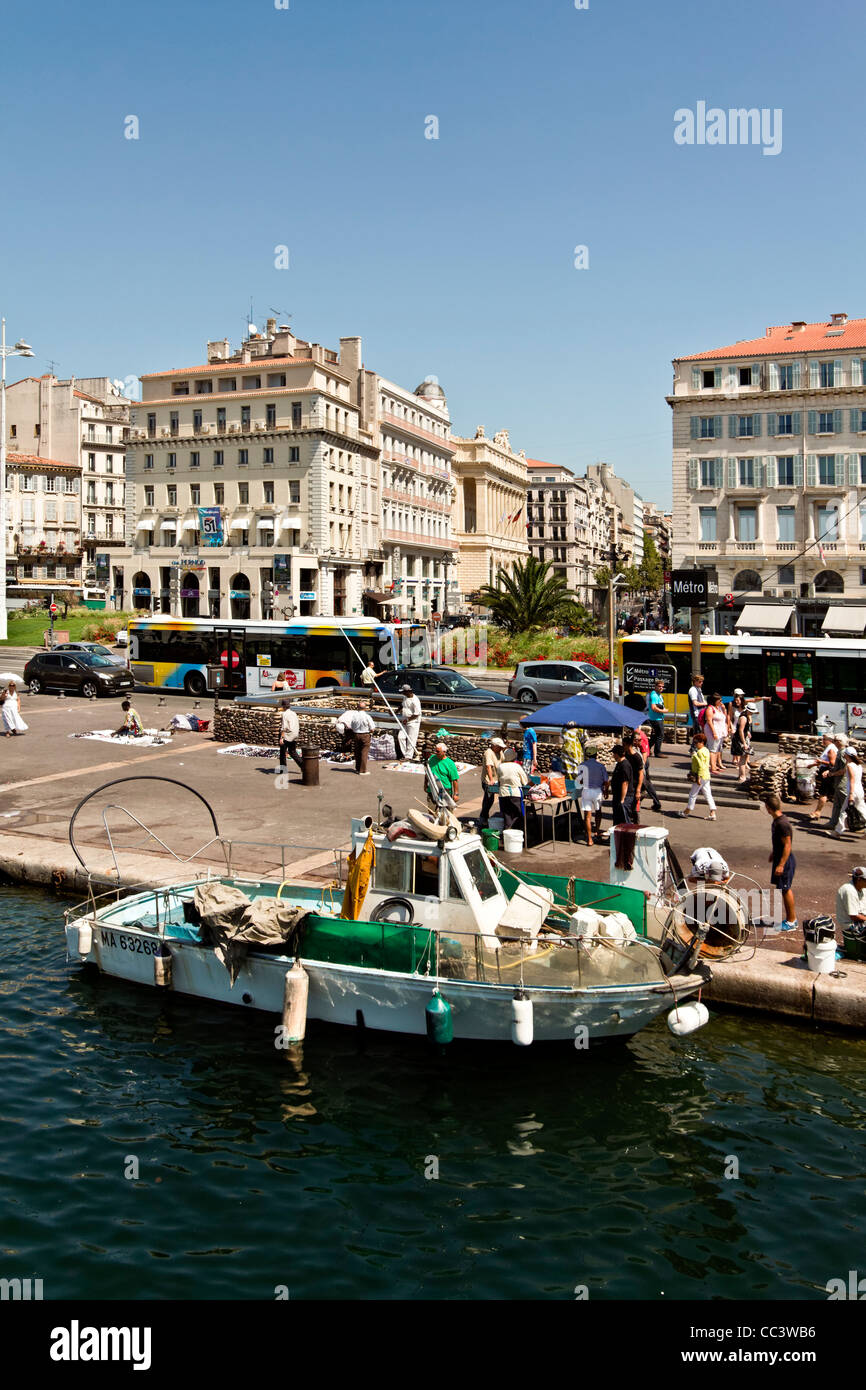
{"type": "Point", "coordinates": [304, 831]}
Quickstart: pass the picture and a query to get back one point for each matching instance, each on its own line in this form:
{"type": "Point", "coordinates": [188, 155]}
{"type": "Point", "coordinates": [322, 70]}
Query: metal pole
{"type": "Point", "coordinates": [611, 630]}
{"type": "Point", "coordinates": [3, 626]}
{"type": "Point", "coordinates": [696, 641]}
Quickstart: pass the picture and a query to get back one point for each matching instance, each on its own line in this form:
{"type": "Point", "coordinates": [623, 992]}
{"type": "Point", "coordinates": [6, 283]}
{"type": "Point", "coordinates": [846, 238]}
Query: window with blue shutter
{"type": "Point", "coordinates": [853, 470]}
{"type": "Point", "coordinates": [813, 421]}
{"type": "Point", "coordinates": [854, 421]}
{"type": "Point", "coordinates": [717, 465]}
{"type": "Point", "coordinates": [695, 424]}
{"type": "Point", "coordinates": [732, 473]}
{"type": "Point", "coordinates": [771, 423]}
{"type": "Point", "coordinates": [798, 422]}
{"type": "Point", "coordinates": [840, 470]}
{"type": "Point", "coordinates": [717, 427]}
{"type": "Point", "coordinates": [771, 472]}
{"type": "Point", "coordinates": [796, 375]}
{"type": "Point", "coordinates": [812, 470]}
{"type": "Point", "coordinates": [837, 422]}
{"type": "Point", "coordinates": [756, 426]}
{"type": "Point", "coordinates": [759, 472]}
{"type": "Point", "coordinates": [838, 373]}
{"type": "Point", "coordinates": [732, 378]}
{"type": "Point", "coordinates": [717, 377]}
{"type": "Point", "coordinates": [774, 376]}
{"type": "Point", "coordinates": [798, 470]}
{"type": "Point", "coordinates": [696, 378]}
{"type": "Point", "coordinates": [814, 374]}
{"type": "Point", "coordinates": [693, 474]}
{"type": "Point", "coordinates": [732, 426]}
{"type": "Point", "coordinates": [856, 371]}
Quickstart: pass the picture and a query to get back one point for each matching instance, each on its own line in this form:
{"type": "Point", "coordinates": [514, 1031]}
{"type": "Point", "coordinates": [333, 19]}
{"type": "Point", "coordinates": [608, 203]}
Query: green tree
{"type": "Point", "coordinates": [533, 596]}
{"type": "Point", "coordinates": [651, 569]}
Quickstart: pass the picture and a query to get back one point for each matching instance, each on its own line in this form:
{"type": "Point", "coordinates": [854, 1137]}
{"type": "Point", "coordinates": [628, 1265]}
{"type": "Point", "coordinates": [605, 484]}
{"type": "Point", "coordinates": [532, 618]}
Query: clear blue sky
{"type": "Point", "coordinates": [453, 256]}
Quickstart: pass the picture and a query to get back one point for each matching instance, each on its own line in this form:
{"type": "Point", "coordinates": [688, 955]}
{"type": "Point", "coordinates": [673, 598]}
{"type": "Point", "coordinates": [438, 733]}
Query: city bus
{"type": "Point", "coordinates": [804, 680]}
{"type": "Point", "coordinates": [238, 657]}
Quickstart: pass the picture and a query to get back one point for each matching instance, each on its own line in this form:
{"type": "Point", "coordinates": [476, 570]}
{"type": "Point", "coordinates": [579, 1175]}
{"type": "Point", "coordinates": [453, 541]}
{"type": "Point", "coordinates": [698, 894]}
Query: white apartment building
{"type": "Point", "coordinates": [83, 422]}
{"type": "Point", "coordinates": [769, 466]}
{"type": "Point", "coordinates": [416, 451]}
{"type": "Point", "coordinates": [254, 466]}
{"type": "Point", "coordinates": [490, 523]}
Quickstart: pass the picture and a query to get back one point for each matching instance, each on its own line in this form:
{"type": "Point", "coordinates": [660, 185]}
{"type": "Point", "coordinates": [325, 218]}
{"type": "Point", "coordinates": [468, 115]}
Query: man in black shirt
{"type": "Point", "coordinates": [782, 859]}
{"type": "Point", "coordinates": [622, 788]}
{"type": "Point", "coordinates": [640, 769]}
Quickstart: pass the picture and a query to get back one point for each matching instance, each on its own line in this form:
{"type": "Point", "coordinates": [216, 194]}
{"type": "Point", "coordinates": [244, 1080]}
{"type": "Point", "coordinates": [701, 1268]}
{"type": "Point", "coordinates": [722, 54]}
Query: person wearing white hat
{"type": "Point", "coordinates": [853, 799]}
{"type": "Point", "coordinates": [490, 776]}
{"type": "Point", "coordinates": [741, 738]}
{"type": "Point", "coordinates": [851, 903]}
{"type": "Point", "coordinates": [410, 722]}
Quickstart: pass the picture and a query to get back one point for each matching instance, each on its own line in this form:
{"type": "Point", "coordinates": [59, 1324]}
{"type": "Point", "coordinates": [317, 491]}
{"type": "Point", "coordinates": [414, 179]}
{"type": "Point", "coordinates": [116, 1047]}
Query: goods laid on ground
{"type": "Point", "coordinates": [811, 743]}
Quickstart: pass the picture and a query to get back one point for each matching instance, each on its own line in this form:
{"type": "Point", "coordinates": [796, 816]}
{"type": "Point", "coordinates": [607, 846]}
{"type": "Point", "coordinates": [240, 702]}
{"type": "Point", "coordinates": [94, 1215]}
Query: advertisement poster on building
{"type": "Point", "coordinates": [210, 524]}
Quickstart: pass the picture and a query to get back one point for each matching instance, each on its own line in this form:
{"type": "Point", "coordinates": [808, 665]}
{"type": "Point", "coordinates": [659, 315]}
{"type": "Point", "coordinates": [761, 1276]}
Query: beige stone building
{"type": "Point", "coordinates": [490, 519]}
{"type": "Point", "coordinates": [83, 422]}
{"type": "Point", "coordinates": [769, 466]}
{"type": "Point", "coordinates": [43, 519]}
{"type": "Point", "coordinates": [254, 466]}
{"type": "Point", "coordinates": [418, 556]}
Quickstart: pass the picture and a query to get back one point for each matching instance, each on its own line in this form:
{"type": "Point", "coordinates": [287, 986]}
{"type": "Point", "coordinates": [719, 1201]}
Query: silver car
{"type": "Point", "coordinates": [542, 682]}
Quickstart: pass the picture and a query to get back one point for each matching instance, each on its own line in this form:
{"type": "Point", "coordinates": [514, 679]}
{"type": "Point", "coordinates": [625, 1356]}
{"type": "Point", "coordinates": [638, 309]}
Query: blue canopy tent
{"type": "Point", "coordinates": [587, 712]}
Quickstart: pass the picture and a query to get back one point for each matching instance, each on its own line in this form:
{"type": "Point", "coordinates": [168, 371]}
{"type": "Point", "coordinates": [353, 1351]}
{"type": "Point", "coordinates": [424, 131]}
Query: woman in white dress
{"type": "Point", "coordinates": [12, 721]}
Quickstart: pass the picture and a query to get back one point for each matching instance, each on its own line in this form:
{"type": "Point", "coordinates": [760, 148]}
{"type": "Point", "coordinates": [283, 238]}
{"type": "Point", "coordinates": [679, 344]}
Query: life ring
{"type": "Point", "coordinates": [381, 910]}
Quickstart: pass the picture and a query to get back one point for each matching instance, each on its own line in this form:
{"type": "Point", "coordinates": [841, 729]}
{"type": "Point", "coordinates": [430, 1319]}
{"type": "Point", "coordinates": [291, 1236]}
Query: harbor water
{"type": "Point", "coordinates": [157, 1147]}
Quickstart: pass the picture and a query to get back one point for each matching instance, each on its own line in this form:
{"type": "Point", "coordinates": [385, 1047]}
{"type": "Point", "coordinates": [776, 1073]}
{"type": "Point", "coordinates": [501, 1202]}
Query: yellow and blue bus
{"type": "Point", "coordinates": [801, 680]}
{"type": "Point", "coordinates": [243, 657]}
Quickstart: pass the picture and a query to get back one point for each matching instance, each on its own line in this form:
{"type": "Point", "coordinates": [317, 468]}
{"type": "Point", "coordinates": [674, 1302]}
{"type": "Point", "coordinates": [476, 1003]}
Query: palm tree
{"type": "Point", "coordinates": [533, 596]}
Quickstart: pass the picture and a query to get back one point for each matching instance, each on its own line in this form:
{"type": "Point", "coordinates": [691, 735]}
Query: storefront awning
{"type": "Point", "coordinates": [290, 521]}
{"type": "Point", "coordinates": [840, 618]}
{"type": "Point", "coordinates": [168, 526]}
{"type": "Point", "coordinates": [766, 617]}
{"type": "Point", "coordinates": [191, 524]}
{"type": "Point", "coordinates": [145, 525]}
{"type": "Point", "coordinates": [375, 596]}
{"type": "Point", "coordinates": [239, 523]}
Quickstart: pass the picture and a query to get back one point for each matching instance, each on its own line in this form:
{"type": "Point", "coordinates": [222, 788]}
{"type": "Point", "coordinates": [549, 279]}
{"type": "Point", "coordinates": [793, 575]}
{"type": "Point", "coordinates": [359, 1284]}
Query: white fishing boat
{"type": "Point", "coordinates": [439, 937]}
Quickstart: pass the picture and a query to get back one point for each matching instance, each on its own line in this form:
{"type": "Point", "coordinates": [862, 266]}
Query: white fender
{"type": "Point", "coordinates": [687, 1018]}
{"type": "Point", "coordinates": [85, 939]}
{"type": "Point", "coordinates": [522, 1030]}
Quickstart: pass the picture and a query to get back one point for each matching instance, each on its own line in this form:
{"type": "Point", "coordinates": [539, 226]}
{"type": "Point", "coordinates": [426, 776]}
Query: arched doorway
{"type": "Point", "coordinates": [747, 581]}
{"type": "Point", "coordinates": [189, 595]}
{"type": "Point", "coordinates": [829, 582]}
{"type": "Point", "coordinates": [239, 594]}
{"type": "Point", "coordinates": [141, 591]}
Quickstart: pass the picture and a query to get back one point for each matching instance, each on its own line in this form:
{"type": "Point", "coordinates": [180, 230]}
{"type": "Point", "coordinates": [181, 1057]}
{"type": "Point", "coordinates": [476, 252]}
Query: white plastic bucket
{"type": "Point", "coordinates": [821, 956]}
{"type": "Point", "coordinates": [512, 841]}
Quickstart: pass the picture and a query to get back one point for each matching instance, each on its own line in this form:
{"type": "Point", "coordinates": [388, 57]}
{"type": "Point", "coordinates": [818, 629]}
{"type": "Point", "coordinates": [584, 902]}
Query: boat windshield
{"type": "Point", "coordinates": [480, 874]}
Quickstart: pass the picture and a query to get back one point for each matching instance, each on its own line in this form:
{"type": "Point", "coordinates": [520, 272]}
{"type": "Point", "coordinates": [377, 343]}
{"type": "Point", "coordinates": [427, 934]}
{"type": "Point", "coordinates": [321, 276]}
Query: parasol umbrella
{"type": "Point", "coordinates": [7, 676]}
{"type": "Point", "coordinates": [587, 712]}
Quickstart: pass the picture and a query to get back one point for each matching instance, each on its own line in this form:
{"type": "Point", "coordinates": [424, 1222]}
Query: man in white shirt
{"type": "Point", "coordinates": [697, 699]}
{"type": "Point", "coordinates": [290, 731]}
{"type": "Point", "coordinates": [369, 676]}
{"type": "Point", "coordinates": [851, 903]}
{"type": "Point", "coordinates": [410, 720]}
{"type": "Point", "coordinates": [357, 726]}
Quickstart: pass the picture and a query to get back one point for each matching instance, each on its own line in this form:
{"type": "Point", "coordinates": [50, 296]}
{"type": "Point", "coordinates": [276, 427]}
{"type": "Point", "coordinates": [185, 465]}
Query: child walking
{"type": "Point", "coordinates": [700, 776]}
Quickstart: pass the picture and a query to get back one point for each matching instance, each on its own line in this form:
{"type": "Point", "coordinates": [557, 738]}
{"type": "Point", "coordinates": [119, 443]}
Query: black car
{"type": "Point", "coordinates": [436, 680]}
{"type": "Point", "coordinates": [87, 672]}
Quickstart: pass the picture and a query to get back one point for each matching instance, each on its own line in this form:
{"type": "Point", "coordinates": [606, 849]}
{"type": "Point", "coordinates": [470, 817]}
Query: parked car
{"type": "Point", "coordinates": [87, 672]}
{"type": "Point", "coordinates": [436, 680]}
{"type": "Point", "coordinates": [96, 648]}
{"type": "Point", "coordinates": [542, 682]}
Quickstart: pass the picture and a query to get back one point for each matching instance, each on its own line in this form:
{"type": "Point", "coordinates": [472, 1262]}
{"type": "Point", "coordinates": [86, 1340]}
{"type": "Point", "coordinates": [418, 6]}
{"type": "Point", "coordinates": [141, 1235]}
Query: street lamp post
{"type": "Point", "coordinates": [612, 583]}
{"type": "Point", "coordinates": [21, 349]}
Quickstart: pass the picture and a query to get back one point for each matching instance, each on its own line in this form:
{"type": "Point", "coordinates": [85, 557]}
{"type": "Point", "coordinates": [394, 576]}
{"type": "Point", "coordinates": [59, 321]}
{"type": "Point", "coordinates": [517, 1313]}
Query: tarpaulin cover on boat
{"type": "Point", "coordinates": [377, 945]}
{"type": "Point", "coordinates": [232, 924]}
{"type": "Point", "coordinates": [569, 893]}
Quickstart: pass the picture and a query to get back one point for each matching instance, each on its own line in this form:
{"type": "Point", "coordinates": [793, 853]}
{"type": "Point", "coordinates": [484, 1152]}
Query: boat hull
{"type": "Point", "coordinates": [384, 1000]}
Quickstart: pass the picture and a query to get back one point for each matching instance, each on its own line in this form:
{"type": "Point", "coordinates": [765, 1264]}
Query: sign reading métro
{"type": "Point", "coordinates": [692, 588]}
{"type": "Point", "coordinates": [643, 677]}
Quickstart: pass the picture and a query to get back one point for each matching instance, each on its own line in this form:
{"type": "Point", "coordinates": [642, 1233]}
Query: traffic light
{"type": "Point", "coordinates": [267, 595]}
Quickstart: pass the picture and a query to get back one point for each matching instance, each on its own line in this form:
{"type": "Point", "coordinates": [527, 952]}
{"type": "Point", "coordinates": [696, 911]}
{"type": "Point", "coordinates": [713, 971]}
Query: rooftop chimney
{"type": "Point", "coordinates": [798, 325]}
{"type": "Point", "coordinates": [838, 319]}
{"type": "Point", "coordinates": [271, 327]}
